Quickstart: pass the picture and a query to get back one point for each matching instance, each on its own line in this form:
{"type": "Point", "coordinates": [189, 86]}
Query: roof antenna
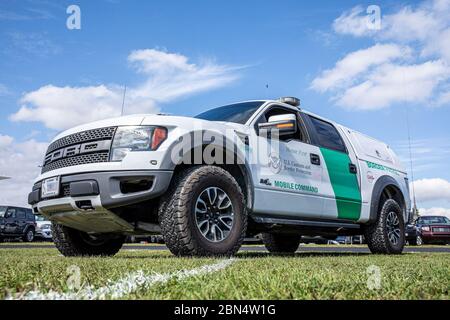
{"type": "Point", "coordinates": [123, 100]}
{"type": "Point", "coordinates": [415, 212]}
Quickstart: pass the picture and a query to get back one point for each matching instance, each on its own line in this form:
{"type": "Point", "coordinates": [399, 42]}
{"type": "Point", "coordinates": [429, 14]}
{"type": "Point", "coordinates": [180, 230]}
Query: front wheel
{"type": "Point", "coordinates": [73, 243]}
{"type": "Point", "coordinates": [387, 234]}
{"type": "Point", "coordinates": [29, 235]}
{"type": "Point", "coordinates": [204, 213]}
{"type": "Point", "coordinates": [417, 241]}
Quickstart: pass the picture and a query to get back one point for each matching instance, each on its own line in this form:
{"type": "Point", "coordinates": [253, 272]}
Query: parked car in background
{"type": "Point", "coordinates": [412, 235]}
{"type": "Point", "coordinates": [16, 222]}
{"type": "Point", "coordinates": [434, 229]}
{"type": "Point", "coordinates": [43, 228]}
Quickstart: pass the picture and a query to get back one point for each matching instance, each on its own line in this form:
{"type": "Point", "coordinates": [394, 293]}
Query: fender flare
{"type": "Point", "coordinates": [377, 191]}
{"type": "Point", "coordinates": [243, 164]}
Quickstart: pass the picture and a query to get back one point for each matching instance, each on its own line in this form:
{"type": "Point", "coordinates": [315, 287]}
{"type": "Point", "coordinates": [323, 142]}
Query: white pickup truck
{"type": "Point", "coordinates": [207, 182]}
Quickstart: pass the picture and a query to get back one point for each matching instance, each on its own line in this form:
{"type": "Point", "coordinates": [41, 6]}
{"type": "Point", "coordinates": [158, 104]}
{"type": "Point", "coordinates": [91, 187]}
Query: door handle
{"type": "Point", "coordinates": [315, 159]}
{"type": "Point", "coordinates": [353, 169]}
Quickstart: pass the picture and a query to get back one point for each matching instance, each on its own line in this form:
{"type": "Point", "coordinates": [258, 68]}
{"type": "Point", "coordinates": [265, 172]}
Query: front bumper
{"type": "Point", "coordinates": [431, 237]}
{"type": "Point", "coordinates": [86, 200]}
{"type": "Point", "coordinates": [45, 234]}
{"type": "Point", "coordinates": [411, 234]}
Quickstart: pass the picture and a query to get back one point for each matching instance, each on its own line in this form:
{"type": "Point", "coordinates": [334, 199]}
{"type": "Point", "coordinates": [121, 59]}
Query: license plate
{"type": "Point", "coordinates": [50, 187]}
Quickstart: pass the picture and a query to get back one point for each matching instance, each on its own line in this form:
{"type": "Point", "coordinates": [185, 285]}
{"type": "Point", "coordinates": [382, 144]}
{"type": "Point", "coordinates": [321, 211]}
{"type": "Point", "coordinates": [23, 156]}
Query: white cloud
{"type": "Point", "coordinates": [432, 190]}
{"type": "Point", "coordinates": [20, 161]}
{"type": "Point", "coordinates": [410, 25]}
{"type": "Point", "coordinates": [435, 212]}
{"type": "Point", "coordinates": [171, 76]}
{"type": "Point", "coordinates": [168, 76]}
{"type": "Point", "coordinates": [64, 107]}
{"type": "Point", "coordinates": [357, 62]}
{"type": "Point", "coordinates": [392, 83]}
{"type": "Point", "coordinates": [420, 76]}
{"type": "Point", "coordinates": [5, 141]}
{"type": "Point", "coordinates": [353, 22]}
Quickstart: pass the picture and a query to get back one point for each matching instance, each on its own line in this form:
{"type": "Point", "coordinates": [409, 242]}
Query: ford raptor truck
{"type": "Point", "coordinates": [207, 182]}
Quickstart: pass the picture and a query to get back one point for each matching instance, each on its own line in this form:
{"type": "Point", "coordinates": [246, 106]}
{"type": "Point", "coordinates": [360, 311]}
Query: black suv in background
{"type": "Point", "coordinates": [17, 222]}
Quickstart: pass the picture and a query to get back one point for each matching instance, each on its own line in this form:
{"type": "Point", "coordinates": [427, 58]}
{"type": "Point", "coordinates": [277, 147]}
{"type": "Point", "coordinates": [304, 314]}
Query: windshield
{"type": "Point", "coordinates": [237, 113]}
{"type": "Point", "coordinates": [2, 211]}
{"type": "Point", "coordinates": [433, 220]}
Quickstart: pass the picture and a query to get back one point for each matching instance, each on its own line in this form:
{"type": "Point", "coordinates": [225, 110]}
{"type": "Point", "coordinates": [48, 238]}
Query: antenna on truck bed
{"type": "Point", "coordinates": [408, 128]}
{"type": "Point", "coordinates": [123, 100]}
{"type": "Point", "coordinates": [411, 162]}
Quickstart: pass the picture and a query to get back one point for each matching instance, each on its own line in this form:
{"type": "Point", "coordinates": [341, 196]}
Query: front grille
{"type": "Point", "coordinates": [85, 136]}
{"type": "Point", "coordinates": [77, 160]}
{"type": "Point", "coordinates": [441, 229]}
{"type": "Point", "coordinates": [91, 146]}
{"type": "Point", "coordinates": [65, 192]}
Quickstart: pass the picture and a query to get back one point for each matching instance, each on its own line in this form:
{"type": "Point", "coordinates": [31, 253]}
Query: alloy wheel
{"type": "Point", "coordinates": [214, 214]}
{"type": "Point", "coordinates": [393, 228]}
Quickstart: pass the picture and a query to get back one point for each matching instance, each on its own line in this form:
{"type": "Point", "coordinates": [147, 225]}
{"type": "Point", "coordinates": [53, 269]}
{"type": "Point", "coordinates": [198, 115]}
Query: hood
{"type": "Point", "coordinates": [191, 123]}
{"type": "Point", "coordinates": [155, 119]}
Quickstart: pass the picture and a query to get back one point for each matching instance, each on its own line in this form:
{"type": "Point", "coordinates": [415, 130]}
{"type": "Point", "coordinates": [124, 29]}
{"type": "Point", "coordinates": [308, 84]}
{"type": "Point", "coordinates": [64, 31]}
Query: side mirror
{"type": "Point", "coordinates": [283, 124]}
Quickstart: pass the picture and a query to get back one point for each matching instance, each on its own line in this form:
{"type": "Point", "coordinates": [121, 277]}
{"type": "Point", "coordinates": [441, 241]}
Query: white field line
{"type": "Point", "coordinates": [130, 283]}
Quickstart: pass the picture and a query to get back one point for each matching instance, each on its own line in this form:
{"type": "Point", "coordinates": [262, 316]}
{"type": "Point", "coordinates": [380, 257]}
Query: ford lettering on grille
{"type": "Point", "coordinates": [85, 147]}
{"type": "Point", "coordinates": [78, 149]}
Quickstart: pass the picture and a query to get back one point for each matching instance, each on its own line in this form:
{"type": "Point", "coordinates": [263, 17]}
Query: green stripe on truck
{"type": "Point", "coordinates": [345, 184]}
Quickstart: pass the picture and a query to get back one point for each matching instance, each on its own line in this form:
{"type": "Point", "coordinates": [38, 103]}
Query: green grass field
{"type": "Point", "coordinates": [251, 275]}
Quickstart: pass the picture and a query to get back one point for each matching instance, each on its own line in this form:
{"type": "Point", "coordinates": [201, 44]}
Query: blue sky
{"type": "Point", "coordinates": [231, 51]}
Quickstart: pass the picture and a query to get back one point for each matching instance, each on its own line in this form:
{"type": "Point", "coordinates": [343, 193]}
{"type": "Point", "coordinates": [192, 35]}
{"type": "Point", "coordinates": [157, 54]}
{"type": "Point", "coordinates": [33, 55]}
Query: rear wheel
{"type": "Point", "coordinates": [387, 234]}
{"type": "Point", "coordinates": [281, 243]}
{"type": "Point", "coordinates": [71, 242]}
{"type": "Point", "coordinates": [29, 235]}
{"type": "Point", "coordinates": [204, 213]}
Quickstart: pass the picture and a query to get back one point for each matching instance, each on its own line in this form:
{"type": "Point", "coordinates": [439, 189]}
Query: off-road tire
{"type": "Point", "coordinates": [177, 217]}
{"type": "Point", "coordinates": [377, 234]}
{"type": "Point", "coordinates": [26, 237]}
{"type": "Point", "coordinates": [73, 243]}
{"type": "Point", "coordinates": [281, 243]}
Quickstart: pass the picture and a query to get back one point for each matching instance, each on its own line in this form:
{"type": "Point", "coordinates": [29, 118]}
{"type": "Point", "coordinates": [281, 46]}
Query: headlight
{"type": "Point", "coordinates": [142, 138]}
{"type": "Point", "coordinates": [425, 228]}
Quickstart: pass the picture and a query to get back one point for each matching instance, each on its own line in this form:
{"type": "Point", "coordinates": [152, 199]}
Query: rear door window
{"type": "Point", "coordinates": [30, 215]}
{"type": "Point", "coordinates": [21, 214]}
{"type": "Point", "coordinates": [327, 135]}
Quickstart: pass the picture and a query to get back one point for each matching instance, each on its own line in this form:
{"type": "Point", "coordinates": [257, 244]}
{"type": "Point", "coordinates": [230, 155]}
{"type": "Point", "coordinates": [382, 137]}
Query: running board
{"type": "Point", "coordinates": [306, 223]}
